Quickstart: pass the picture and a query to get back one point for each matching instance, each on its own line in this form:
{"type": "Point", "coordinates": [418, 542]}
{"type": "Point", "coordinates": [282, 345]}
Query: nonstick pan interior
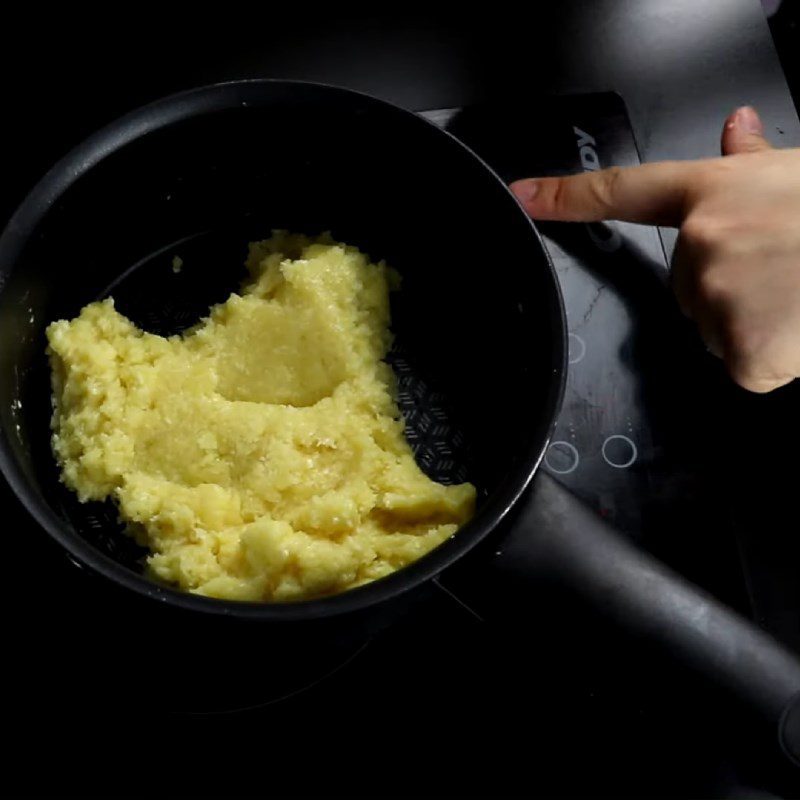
{"type": "Point", "coordinates": [164, 300]}
{"type": "Point", "coordinates": [478, 325]}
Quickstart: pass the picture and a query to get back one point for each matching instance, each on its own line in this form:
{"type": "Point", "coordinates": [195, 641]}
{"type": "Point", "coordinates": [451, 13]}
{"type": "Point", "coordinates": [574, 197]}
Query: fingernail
{"type": "Point", "coordinates": [525, 190]}
{"type": "Point", "coordinates": [747, 120]}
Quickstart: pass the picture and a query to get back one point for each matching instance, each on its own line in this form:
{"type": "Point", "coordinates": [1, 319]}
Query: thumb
{"type": "Point", "coordinates": [743, 133]}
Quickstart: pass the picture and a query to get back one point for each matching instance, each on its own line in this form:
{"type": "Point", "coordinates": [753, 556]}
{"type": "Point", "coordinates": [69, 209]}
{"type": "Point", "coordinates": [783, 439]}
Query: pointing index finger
{"type": "Point", "coordinates": [653, 194]}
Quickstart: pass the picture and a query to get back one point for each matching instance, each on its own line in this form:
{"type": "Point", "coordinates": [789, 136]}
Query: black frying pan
{"type": "Point", "coordinates": [479, 325]}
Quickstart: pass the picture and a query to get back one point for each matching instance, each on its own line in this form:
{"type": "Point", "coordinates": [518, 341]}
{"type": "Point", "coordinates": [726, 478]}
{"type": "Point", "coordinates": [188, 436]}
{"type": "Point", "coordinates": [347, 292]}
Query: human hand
{"type": "Point", "coordinates": [736, 268]}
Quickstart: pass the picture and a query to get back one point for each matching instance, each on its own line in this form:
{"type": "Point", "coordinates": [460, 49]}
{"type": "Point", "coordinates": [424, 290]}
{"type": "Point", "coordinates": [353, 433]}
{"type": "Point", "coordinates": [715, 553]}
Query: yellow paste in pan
{"type": "Point", "coordinates": [260, 455]}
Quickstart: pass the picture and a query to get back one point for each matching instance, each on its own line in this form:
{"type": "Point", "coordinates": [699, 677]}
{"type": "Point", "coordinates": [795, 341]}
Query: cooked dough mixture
{"type": "Point", "coordinates": [261, 455]}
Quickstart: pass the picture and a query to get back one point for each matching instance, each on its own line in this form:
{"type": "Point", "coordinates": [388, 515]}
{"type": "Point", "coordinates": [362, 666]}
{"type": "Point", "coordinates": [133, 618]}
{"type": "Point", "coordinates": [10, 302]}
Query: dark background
{"type": "Point", "coordinates": [784, 18]}
{"type": "Point", "coordinates": [680, 66]}
{"type": "Point", "coordinates": [544, 705]}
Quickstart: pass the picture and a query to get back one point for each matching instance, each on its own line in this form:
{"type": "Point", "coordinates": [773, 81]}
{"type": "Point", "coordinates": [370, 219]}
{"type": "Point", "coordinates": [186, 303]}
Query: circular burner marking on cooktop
{"type": "Point", "coordinates": [619, 451]}
{"type": "Point", "coordinates": [562, 457]}
{"type": "Point", "coordinates": [577, 348]}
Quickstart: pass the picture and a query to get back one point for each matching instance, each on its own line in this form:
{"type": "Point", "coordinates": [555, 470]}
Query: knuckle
{"type": "Point", "coordinates": [714, 285]}
{"type": "Point", "coordinates": [741, 344]}
{"type": "Point", "coordinates": [558, 198]}
{"type": "Point", "coordinates": [605, 185]}
{"type": "Point", "coordinates": [701, 234]}
{"type": "Point", "coordinates": [751, 383]}
{"type": "Point", "coordinates": [757, 362]}
{"type": "Point", "coordinates": [754, 381]}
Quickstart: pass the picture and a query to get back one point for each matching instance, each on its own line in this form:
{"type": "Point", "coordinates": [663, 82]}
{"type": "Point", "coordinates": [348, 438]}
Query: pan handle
{"type": "Point", "coordinates": [559, 536]}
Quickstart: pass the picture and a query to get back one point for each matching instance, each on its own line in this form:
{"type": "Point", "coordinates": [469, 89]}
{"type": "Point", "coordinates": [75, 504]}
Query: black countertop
{"type": "Point", "coordinates": [681, 66]}
{"type": "Point", "coordinates": [618, 724]}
